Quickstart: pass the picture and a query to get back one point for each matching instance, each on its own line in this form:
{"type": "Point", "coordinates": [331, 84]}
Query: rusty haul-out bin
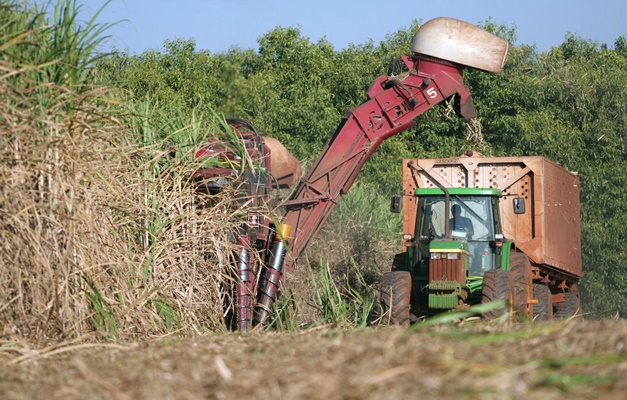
{"type": "Point", "coordinates": [549, 229]}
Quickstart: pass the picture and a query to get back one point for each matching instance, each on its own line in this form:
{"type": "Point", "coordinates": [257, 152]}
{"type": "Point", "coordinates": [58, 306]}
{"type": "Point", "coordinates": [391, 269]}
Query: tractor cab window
{"type": "Point", "coordinates": [470, 217]}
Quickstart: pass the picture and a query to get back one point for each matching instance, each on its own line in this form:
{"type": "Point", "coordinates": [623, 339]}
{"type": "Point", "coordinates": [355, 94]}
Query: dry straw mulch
{"type": "Point", "coordinates": [566, 360]}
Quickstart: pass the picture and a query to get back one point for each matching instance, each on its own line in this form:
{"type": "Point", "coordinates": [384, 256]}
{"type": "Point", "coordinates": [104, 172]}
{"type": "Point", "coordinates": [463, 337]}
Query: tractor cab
{"type": "Point", "coordinates": [472, 216]}
{"type": "Point", "coordinates": [457, 239]}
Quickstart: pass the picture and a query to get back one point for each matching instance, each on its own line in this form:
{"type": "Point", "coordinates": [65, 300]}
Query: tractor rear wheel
{"type": "Point", "coordinates": [543, 309]}
{"type": "Point", "coordinates": [396, 296]}
{"type": "Point", "coordinates": [496, 287]}
{"type": "Point", "coordinates": [569, 308]}
{"type": "Point", "coordinates": [521, 281]}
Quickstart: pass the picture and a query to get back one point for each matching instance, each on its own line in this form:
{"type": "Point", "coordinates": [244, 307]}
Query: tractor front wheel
{"type": "Point", "coordinates": [396, 296]}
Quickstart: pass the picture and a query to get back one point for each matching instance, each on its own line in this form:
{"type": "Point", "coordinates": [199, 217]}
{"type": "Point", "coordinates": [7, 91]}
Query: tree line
{"type": "Point", "coordinates": [568, 103]}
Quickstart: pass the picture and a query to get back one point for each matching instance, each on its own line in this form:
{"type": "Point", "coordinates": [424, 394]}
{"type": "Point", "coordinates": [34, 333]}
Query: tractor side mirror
{"type": "Point", "coordinates": [397, 204]}
{"type": "Point", "coordinates": [519, 205]}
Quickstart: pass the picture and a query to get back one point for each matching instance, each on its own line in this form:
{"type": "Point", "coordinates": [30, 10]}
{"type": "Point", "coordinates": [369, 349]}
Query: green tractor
{"type": "Point", "coordinates": [466, 245]}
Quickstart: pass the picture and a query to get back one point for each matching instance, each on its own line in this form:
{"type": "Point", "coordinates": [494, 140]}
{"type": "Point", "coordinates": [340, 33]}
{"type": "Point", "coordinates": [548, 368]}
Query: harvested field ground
{"type": "Point", "coordinates": [577, 359]}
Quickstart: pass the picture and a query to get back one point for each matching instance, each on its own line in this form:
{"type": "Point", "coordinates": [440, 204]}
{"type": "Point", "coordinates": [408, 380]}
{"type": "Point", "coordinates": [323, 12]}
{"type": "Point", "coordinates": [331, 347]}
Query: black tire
{"type": "Point", "coordinates": [496, 287]}
{"type": "Point", "coordinates": [569, 308]}
{"type": "Point", "coordinates": [395, 297]}
{"type": "Point", "coordinates": [520, 273]}
{"type": "Point", "coordinates": [543, 309]}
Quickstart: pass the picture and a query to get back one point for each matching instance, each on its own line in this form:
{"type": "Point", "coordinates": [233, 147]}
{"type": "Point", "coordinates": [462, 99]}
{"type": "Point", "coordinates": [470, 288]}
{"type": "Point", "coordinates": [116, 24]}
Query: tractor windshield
{"type": "Point", "coordinates": [469, 216]}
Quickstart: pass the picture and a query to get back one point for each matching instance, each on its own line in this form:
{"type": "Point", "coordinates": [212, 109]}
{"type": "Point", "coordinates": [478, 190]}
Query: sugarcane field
{"type": "Point", "coordinates": [440, 213]}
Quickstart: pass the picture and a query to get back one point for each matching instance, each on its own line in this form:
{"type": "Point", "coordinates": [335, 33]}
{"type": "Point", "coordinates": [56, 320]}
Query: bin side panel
{"type": "Point", "coordinates": [562, 218]}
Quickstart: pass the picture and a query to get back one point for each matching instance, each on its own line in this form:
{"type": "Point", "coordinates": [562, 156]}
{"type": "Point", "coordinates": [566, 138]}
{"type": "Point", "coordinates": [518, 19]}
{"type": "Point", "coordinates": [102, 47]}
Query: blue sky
{"type": "Point", "coordinates": [218, 25]}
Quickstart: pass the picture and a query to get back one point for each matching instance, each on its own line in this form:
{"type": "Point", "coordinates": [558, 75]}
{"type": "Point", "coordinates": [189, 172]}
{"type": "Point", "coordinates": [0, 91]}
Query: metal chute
{"type": "Point", "coordinates": [461, 43]}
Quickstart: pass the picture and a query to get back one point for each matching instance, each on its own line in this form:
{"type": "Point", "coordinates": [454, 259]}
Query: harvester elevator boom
{"type": "Point", "coordinates": [441, 49]}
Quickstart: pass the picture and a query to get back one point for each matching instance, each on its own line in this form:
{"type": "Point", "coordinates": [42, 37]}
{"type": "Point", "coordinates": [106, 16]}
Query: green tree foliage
{"type": "Point", "coordinates": [568, 104]}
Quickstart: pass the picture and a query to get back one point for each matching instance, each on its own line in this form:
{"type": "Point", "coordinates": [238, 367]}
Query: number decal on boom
{"type": "Point", "coordinates": [432, 93]}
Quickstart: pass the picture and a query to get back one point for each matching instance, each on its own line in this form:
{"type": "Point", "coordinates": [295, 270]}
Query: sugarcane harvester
{"type": "Point", "coordinates": [432, 73]}
{"type": "Point", "coordinates": [276, 169]}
